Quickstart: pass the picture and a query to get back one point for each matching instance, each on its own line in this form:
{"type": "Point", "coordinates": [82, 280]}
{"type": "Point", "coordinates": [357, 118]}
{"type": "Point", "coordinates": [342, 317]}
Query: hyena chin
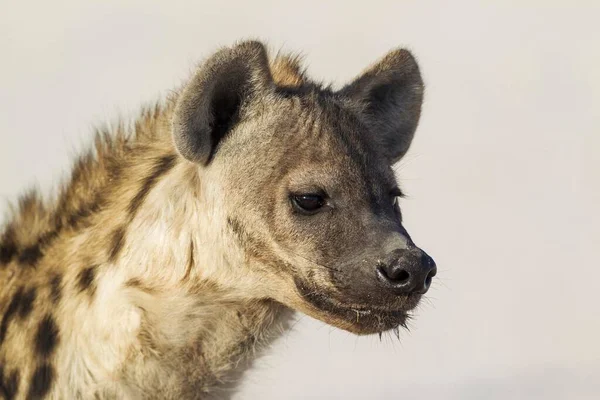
{"type": "Point", "coordinates": [175, 249]}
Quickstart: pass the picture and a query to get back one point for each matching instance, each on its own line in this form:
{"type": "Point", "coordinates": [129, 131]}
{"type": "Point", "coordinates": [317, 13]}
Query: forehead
{"type": "Point", "coordinates": [322, 126]}
{"type": "Point", "coordinates": [315, 134]}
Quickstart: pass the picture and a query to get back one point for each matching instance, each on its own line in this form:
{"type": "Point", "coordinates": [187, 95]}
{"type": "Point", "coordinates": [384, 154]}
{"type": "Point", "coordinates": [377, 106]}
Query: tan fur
{"type": "Point", "coordinates": [147, 325]}
{"type": "Point", "coordinates": [286, 70]}
{"type": "Point", "coordinates": [145, 278]}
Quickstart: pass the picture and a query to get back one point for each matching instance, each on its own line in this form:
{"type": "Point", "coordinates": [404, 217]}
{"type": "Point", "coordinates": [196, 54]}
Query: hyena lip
{"type": "Point", "coordinates": [358, 319]}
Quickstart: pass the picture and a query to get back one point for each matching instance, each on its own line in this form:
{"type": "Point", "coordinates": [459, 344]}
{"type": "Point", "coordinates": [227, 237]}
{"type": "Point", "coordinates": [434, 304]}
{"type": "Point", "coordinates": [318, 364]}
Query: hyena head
{"type": "Point", "coordinates": [300, 182]}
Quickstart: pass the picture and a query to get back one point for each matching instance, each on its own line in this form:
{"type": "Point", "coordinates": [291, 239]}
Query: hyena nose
{"type": "Point", "coordinates": [407, 271]}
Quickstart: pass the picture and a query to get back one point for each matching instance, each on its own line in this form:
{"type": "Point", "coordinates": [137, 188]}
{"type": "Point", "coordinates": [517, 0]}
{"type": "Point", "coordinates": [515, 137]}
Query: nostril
{"type": "Point", "coordinates": [433, 272]}
{"type": "Point", "coordinates": [429, 279]}
{"type": "Point", "coordinates": [406, 272]}
{"type": "Point", "coordinates": [394, 274]}
{"type": "Point", "coordinates": [400, 276]}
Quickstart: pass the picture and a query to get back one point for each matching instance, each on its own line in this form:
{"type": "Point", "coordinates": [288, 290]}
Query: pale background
{"type": "Point", "coordinates": [503, 176]}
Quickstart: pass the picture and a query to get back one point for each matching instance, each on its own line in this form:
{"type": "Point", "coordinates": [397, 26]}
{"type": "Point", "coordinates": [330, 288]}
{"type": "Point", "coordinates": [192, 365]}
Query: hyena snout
{"type": "Point", "coordinates": [407, 271]}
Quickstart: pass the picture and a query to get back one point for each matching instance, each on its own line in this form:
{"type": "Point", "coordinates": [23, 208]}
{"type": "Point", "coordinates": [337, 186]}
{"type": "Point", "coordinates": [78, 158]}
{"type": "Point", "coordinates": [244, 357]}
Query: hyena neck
{"type": "Point", "coordinates": [168, 256]}
{"type": "Point", "coordinates": [121, 264]}
{"type": "Point", "coordinates": [163, 245]}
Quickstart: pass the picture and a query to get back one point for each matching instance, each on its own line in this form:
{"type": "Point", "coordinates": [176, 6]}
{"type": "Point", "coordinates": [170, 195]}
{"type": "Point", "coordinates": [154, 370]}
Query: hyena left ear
{"type": "Point", "coordinates": [213, 101]}
{"type": "Point", "coordinates": [388, 96]}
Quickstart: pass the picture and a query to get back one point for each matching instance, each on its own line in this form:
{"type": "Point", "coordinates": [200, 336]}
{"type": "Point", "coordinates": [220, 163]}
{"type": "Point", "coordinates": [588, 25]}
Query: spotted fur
{"type": "Point", "coordinates": [168, 257]}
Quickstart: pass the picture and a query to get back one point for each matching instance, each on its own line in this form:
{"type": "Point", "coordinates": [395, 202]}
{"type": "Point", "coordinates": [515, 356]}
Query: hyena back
{"type": "Point", "coordinates": [175, 250]}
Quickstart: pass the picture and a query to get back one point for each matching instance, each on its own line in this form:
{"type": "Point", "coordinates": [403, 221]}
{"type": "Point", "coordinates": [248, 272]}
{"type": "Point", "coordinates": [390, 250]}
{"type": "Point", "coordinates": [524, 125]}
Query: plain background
{"type": "Point", "coordinates": [503, 177]}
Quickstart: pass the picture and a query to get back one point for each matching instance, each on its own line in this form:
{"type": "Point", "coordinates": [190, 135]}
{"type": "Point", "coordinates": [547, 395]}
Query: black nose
{"type": "Point", "coordinates": [407, 271]}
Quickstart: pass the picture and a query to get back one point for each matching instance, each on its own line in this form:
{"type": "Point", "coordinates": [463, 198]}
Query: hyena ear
{"type": "Point", "coordinates": [213, 101]}
{"type": "Point", "coordinates": [388, 96]}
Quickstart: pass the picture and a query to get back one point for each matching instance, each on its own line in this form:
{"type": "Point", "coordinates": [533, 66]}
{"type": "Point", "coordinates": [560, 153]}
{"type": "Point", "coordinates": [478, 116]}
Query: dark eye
{"type": "Point", "coordinates": [308, 203]}
{"type": "Point", "coordinates": [396, 192]}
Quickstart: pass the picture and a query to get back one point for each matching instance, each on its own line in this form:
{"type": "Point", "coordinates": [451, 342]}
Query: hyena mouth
{"type": "Point", "coordinates": [358, 319]}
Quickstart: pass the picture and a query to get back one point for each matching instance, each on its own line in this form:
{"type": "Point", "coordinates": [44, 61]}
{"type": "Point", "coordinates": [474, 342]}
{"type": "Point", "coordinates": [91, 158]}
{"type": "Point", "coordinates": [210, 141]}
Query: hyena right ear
{"type": "Point", "coordinates": [388, 96]}
{"type": "Point", "coordinates": [212, 102]}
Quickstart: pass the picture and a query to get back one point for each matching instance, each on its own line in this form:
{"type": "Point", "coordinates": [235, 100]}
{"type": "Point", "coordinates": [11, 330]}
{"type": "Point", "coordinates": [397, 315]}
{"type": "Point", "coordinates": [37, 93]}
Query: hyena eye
{"type": "Point", "coordinates": [308, 203]}
{"type": "Point", "coordinates": [396, 192]}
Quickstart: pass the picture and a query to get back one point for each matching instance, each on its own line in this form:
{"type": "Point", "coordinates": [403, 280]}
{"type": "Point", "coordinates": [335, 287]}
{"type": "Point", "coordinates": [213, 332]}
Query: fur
{"type": "Point", "coordinates": [167, 258]}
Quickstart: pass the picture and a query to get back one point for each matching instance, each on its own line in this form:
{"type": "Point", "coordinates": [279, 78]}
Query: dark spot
{"type": "Point", "coordinates": [85, 279]}
{"type": "Point", "coordinates": [8, 246]}
{"type": "Point", "coordinates": [48, 237]}
{"type": "Point", "coordinates": [67, 215]}
{"type": "Point", "coordinates": [114, 170]}
{"type": "Point", "coordinates": [31, 255]}
{"type": "Point", "coordinates": [41, 381]}
{"type": "Point", "coordinates": [82, 213]}
{"type": "Point", "coordinates": [77, 215]}
{"type": "Point", "coordinates": [12, 308]}
{"type": "Point", "coordinates": [7, 252]}
{"type": "Point", "coordinates": [237, 229]}
{"type": "Point", "coordinates": [137, 284]}
{"type": "Point", "coordinates": [163, 165]}
{"type": "Point", "coordinates": [27, 303]}
{"type": "Point", "coordinates": [46, 338]}
{"type": "Point", "coordinates": [133, 282]}
{"type": "Point", "coordinates": [116, 243]}
{"type": "Point", "coordinates": [9, 385]}
{"type": "Point", "coordinates": [55, 290]}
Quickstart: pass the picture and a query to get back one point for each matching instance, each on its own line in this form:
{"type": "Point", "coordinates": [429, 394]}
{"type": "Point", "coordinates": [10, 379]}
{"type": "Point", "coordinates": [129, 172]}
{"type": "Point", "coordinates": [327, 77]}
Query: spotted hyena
{"type": "Point", "coordinates": [180, 243]}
